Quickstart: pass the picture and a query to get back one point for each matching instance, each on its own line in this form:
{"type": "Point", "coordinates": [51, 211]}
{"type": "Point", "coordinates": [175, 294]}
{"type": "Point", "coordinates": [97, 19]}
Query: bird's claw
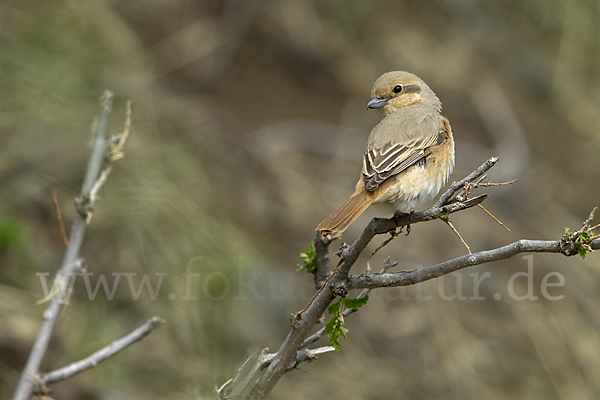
{"type": "Point", "coordinates": [399, 215]}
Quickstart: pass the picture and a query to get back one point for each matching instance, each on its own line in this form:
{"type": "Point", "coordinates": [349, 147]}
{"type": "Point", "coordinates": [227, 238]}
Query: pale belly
{"type": "Point", "coordinates": [417, 185]}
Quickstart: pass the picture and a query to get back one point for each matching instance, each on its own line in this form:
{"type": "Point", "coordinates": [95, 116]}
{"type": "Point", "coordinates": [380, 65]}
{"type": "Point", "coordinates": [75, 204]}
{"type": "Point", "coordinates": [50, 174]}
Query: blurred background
{"type": "Point", "coordinates": [248, 127]}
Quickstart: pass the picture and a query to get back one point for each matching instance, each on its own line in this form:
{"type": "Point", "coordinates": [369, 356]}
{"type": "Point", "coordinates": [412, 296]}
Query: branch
{"type": "Point", "coordinates": [322, 242]}
{"type": "Point", "coordinates": [306, 355]}
{"type": "Point", "coordinates": [85, 203]}
{"type": "Point", "coordinates": [115, 153]}
{"type": "Point", "coordinates": [378, 226]}
{"type": "Point", "coordinates": [321, 332]}
{"type": "Point", "coordinates": [25, 386]}
{"type": "Point", "coordinates": [102, 354]}
{"type": "Point", "coordinates": [303, 322]}
{"type": "Point", "coordinates": [453, 200]}
{"type": "Point", "coordinates": [233, 388]}
{"type": "Point", "coordinates": [405, 278]}
{"type": "Point", "coordinates": [456, 186]}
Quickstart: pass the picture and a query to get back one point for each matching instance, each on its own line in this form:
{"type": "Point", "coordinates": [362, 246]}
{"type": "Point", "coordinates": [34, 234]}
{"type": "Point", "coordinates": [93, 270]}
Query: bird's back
{"type": "Point", "coordinates": [406, 125]}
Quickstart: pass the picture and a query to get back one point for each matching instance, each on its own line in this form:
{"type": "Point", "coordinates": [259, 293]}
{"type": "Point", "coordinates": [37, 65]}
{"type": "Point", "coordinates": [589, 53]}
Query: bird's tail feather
{"type": "Point", "coordinates": [340, 219]}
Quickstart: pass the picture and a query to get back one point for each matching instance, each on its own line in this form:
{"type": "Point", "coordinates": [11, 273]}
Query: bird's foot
{"type": "Point", "coordinates": [398, 215]}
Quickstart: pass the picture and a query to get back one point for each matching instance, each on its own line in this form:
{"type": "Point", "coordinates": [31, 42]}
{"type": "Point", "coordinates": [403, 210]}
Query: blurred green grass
{"type": "Point", "coordinates": [248, 121]}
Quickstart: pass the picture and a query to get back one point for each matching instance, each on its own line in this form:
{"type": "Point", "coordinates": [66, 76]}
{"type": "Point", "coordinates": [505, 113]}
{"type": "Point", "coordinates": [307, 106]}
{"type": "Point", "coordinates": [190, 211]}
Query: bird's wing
{"type": "Point", "coordinates": [382, 162]}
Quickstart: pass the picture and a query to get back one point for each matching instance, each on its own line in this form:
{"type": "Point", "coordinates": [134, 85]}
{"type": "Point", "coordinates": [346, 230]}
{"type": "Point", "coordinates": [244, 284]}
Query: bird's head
{"type": "Point", "coordinates": [397, 89]}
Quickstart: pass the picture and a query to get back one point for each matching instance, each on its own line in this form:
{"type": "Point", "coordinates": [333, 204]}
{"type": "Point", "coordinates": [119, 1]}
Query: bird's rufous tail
{"type": "Point", "coordinates": [340, 219]}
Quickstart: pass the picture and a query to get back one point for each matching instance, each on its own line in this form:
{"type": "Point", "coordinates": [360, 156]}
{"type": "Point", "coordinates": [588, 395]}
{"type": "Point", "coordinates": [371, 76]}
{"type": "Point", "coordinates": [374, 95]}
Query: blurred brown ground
{"type": "Point", "coordinates": [249, 122]}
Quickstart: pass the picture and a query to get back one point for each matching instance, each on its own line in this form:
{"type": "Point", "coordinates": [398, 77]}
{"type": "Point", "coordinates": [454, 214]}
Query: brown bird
{"type": "Point", "coordinates": [409, 155]}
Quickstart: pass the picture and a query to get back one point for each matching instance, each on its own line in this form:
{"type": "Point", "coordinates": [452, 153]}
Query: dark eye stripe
{"type": "Point", "coordinates": [411, 89]}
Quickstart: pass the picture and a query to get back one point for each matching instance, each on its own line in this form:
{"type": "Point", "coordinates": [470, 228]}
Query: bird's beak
{"type": "Point", "coordinates": [376, 102]}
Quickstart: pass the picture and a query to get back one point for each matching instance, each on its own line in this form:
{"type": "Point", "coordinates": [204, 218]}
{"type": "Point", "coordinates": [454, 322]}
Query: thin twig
{"type": "Point", "coordinates": [307, 355]}
{"type": "Point", "coordinates": [589, 220]}
{"type": "Point", "coordinates": [594, 237]}
{"type": "Point", "coordinates": [486, 184]}
{"type": "Point", "coordinates": [394, 235]}
{"type": "Point", "coordinates": [494, 218]}
{"type": "Point", "coordinates": [456, 186]}
{"type": "Point", "coordinates": [93, 360]}
{"type": "Point", "coordinates": [447, 221]}
{"type": "Point", "coordinates": [299, 314]}
{"type": "Point", "coordinates": [61, 225]}
{"type": "Point", "coordinates": [469, 187]}
{"type": "Point", "coordinates": [576, 241]}
{"type": "Point", "coordinates": [115, 154]}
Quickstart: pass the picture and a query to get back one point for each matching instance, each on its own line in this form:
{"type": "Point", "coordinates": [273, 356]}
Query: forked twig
{"type": "Point", "coordinates": [470, 186]}
{"type": "Point", "coordinates": [388, 263]}
{"type": "Point", "coordinates": [106, 352]}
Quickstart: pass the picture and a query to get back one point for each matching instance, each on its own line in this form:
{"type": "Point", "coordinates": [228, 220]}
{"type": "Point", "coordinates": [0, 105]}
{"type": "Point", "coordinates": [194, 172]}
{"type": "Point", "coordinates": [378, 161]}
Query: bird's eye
{"type": "Point", "coordinates": [398, 89]}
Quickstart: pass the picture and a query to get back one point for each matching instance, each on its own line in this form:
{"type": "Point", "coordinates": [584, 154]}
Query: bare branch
{"type": "Point", "coordinates": [486, 184]}
{"type": "Point", "coordinates": [456, 186]}
{"type": "Point", "coordinates": [71, 262]}
{"type": "Point", "coordinates": [393, 235]}
{"type": "Point", "coordinates": [102, 354]}
{"type": "Point", "coordinates": [304, 321]}
{"type": "Point", "coordinates": [340, 282]}
{"type": "Point", "coordinates": [322, 242]}
{"type": "Point", "coordinates": [494, 218]}
{"type": "Point", "coordinates": [233, 388]}
{"type": "Point", "coordinates": [321, 332]}
{"type": "Point", "coordinates": [305, 355]}
{"type": "Point", "coordinates": [377, 226]}
{"type": "Point", "coordinates": [447, 221]}
{"type": "Point", "coordinates": [25, 386]}
{"type": "Point", "coordinates": [115, 153]}
{"type": "Point", "coordinates": [405, 278]}
{"type": "Point", "coordinates": [244, 375]}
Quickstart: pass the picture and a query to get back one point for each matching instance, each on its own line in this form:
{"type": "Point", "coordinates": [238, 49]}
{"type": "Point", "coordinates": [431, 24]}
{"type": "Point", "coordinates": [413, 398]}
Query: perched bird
{"type": "Point", "coordinates": [409, 155]}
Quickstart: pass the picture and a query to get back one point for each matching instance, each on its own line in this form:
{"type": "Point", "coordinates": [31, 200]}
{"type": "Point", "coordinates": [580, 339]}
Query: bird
{"type": "Point", "coordinates": [409, 154]}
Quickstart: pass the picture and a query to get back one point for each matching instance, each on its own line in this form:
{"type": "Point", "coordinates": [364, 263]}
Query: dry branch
{"type": "Point", "coordinates": [340, 282]}
{"type": "Point", "coordinates": [303, 322]}
{"type": "Point", "coordinates": [321, 332]}
{"type": "Point", "coordinates": [25, 386]}
{"type": "Point", "coordinates": [455, 199]}
{"type": "Point", "coordinates": [405, 278]}
{"type": "Point", "coordinates": [102, 354]}
{"type": "Point", "coordinates": [30, 378]}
